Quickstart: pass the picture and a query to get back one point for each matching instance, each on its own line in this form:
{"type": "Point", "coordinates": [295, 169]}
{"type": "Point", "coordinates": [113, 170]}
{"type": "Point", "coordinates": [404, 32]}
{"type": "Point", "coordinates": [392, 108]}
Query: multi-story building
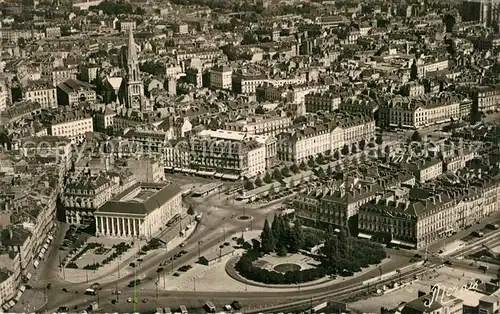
{"type": "Point", "coordinates": [223, 153]}
{"type": "Point", "coordinates": [194, 76]}
{"type": "Point", "coordinates": [425, 169]}
{"type": "Point", "coordinates": [8, 287]}
{"type": "Point", "coordinates": [261, 125]}
{"type": "Point", "coordinates": [72, 92]}
{"type": "Point", "coordinates": [486, 98]}
{"type": "Point", "coordinates": [147, 169]}
{"type": "Point", "coordinates": [429, 65]}
{"type": "Point", "coordinates": [326, 101]}
{"type": "Point", "coordinates": [333, 206]}
{"type": "Point", "coordinates": [42, 92]}
{"type": "Point", "coordinates": [420, 111]}
{"type": "Point", "coordinates": [141, 211]}
{"type": "Point", "coordinates": [247, 83]}
{"type": "Point", "coordinates": [59, 75]}
{"type": "Point", "coordinates": [304, 143]}
{"type": "Point", "coordinates": [4, 96]}
{"type": "Point", "coordinates": [53, 32]}
{"type": "Point", "coordinates": [221, 77]}
{"type": "Point", "coordinates": [83, 195]}
{"type": "Point", "coordinates": [127, 26]}
{"type": "Point", "coordinates": [103, 120]}
{"type": "Point", "coordinates": [73, 124]}
{"type": "Point", "coordinates": [414, 222]}
{"type": "Point", "coordinates": [309, 141]}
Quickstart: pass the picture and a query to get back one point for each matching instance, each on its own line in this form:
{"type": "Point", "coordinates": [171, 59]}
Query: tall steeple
{"type": "Point", "coordinates": [132, 48]}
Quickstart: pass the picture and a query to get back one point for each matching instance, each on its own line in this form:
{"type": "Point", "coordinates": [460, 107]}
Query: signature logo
{"type": "Point", "coordinates": [439, 292]}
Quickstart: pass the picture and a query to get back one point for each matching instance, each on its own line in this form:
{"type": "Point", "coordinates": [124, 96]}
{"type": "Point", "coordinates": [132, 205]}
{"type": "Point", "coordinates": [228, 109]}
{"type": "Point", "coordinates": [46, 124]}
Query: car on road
{"type": "Point", "coordinates": [130, 300]}
{"type": "Point", "coordinates": [183, 244]}
{"type": "Point", "coordinates": [493, 226]}
{"type": "Point", "coordinates": [63, 309]}
{"type": "Point", "coordinates": [96, 286]}
{"type": "Point", "coordinates": [117, 292]}
{"type": "Point", "coordinates": [183, 252]}
{"type": "Point", "coordinates": [176, 275]}
{"type": "Point", "coordinates": [185, 268]}
{"type": "Point", "coordinates": [132, 265]}
{"type": "Point", "coordinates": [65, 290]}
{"type": "Point", "coordinates": [145, 301]}
{"type": "Point", "coordinates": [417, 256]}
{"type": "Point", "coordinates": [448, 263]}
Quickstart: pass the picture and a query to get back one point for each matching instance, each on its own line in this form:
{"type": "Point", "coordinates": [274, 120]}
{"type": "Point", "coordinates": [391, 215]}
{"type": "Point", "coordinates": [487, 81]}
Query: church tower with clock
{"type": "Point", "coordinates": [133, 88]}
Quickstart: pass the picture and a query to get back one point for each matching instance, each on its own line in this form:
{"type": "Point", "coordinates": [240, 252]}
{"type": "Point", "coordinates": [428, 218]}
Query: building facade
{"type": "Point", "coordinates": [141, 211]}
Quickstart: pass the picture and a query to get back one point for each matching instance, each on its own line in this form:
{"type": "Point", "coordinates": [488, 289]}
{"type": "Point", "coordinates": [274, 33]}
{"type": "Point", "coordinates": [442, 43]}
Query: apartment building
{"type": "Point", "coordinates": [126, 26]}
{"type": "Point", "coordinates": [309, 141]}
{"type": "Point", "coordinates": [72, 92]}
{"type": "Point", "coordinates": [415, 222]}
{"type": "Point", "coordinates": [431, 64]}
{"type": "Point", "coordinates": [194, 76]}
{"type": "Point", "coordinates": [8, 287]}
{"type": "Point", "coordinates": [261, 125]}
{"type": "Point", "coordinates": [53, 32]}
{"type": "Point", "coordinates": [83, 195]}
{"type": "Point", "coordinates": [59, 75]}
{"type": "Point", "coordinates": [356, 127]}
{"type": "Point", "coordinates": [42, 92]}
{"type": "Point", "coordinates": [72, 124]}
{"type": "Point", "coordinates": [4, 96]}
{"type": "Point", "coordinates": [222, 153]}
{"type": "Point", "coordinates": [103, 120]}
{"type": "Point", "coordinates": [420, 111]}
{"type": "Point", "coordinates": [425, 169]}
{"type": "Point", "coordinates": [486, 98]}
{"type": "Point", "coordinates": [334, 205]}
{"type": "Point", "coordinates": [221, 77]}
{"type": "Point", "coordinates": [205, 55]}
{"type": "Point", "coordinates": [304, 143]}
{"type": "Point", "coordinates": [147, 169]}
{"type": "Point", "coordinates": [327, 101]}
{"type": "Point", "coordinates": [247, 83]}
{"type": "Point", "coordinates": [359, 106]}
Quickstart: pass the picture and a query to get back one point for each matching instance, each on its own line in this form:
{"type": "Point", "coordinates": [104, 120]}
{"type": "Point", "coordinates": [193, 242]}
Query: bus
{"type": "Point", "coordinates": [90, 292]}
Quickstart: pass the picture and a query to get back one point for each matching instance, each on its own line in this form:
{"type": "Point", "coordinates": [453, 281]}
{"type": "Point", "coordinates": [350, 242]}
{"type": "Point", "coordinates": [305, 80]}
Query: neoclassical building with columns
{"type": "Point", "coordinates": [141, 211]}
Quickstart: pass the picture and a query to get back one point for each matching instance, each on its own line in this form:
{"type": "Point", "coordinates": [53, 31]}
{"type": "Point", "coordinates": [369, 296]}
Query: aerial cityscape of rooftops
{"type": "Point", "coordinates": [250, 156]}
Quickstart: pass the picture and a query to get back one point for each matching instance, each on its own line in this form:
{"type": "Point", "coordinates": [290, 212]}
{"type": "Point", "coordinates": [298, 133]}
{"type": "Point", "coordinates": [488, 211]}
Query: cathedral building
{"type": "Point", "coordinates": [132, 88]}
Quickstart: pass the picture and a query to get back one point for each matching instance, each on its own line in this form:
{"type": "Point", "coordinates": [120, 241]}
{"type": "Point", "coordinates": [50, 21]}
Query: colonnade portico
{"type": "Point", "coordinates": [114, 226]}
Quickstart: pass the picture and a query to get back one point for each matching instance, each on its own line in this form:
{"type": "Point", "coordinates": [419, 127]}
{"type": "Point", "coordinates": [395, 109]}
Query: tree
{"type": "Point", "coordinates": [362, 144]}
{"type": "Point", "coordinates": [321, 173]}
{"type": "Point", "coordinates": [336, 155]}
{"type": "Point", "coordinates": [260, 110]}
{"type": "Point", "coordinates": [285, 171]}
{"type": "Point", "coordinates": [282, 251]}
{"type": "Point", "coordinates": [296, 237]}
{"type": "Point", "coordinates": [320, 159]}
{"type": "Point", "coordinates": [258, 182]}
{"type": "Point", "coordinates": [329, 171]}
{"type": "Point", "coordinates": [267, 178]}
{"type": "Point", "coordinates": [249, 185]}
{"type": "Point", "coordinates": [267, 239]}
{"type": "Point", "coordinates": [345, 150]}
{"type": "Point", "coordinates": [379, 140]}
{"type": "Point", "coordinates": [190, 210]}
{"type": "Point", "coordinates": [277, 228]}
{"type": "Point", "coordinates": [277, 175]}
{"type": "Point", "coordinates": [303, 166]}
{"type": "Point", "coordinates": [295, 169]}
{"type": "Point", "coordinates": [416, 137]}
{"type": "Point", "coordinates": [311, 163]}
{"type": "Point", "coordinates": [354, 149]}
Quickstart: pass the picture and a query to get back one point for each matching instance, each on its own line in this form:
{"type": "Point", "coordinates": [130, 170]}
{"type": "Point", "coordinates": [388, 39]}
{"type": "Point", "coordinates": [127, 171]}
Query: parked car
{"type": "Point", "coordinates": [448, 263]}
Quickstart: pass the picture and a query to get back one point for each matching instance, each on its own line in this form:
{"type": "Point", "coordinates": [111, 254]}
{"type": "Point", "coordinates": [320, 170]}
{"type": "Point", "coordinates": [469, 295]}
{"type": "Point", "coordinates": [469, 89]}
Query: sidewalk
{"type": "Point", "coordinates": [30, 302]}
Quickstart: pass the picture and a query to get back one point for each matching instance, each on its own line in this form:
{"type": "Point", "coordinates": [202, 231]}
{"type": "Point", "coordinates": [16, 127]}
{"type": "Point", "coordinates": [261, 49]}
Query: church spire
{"type": "Point", "coordinates": [132, 49]}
